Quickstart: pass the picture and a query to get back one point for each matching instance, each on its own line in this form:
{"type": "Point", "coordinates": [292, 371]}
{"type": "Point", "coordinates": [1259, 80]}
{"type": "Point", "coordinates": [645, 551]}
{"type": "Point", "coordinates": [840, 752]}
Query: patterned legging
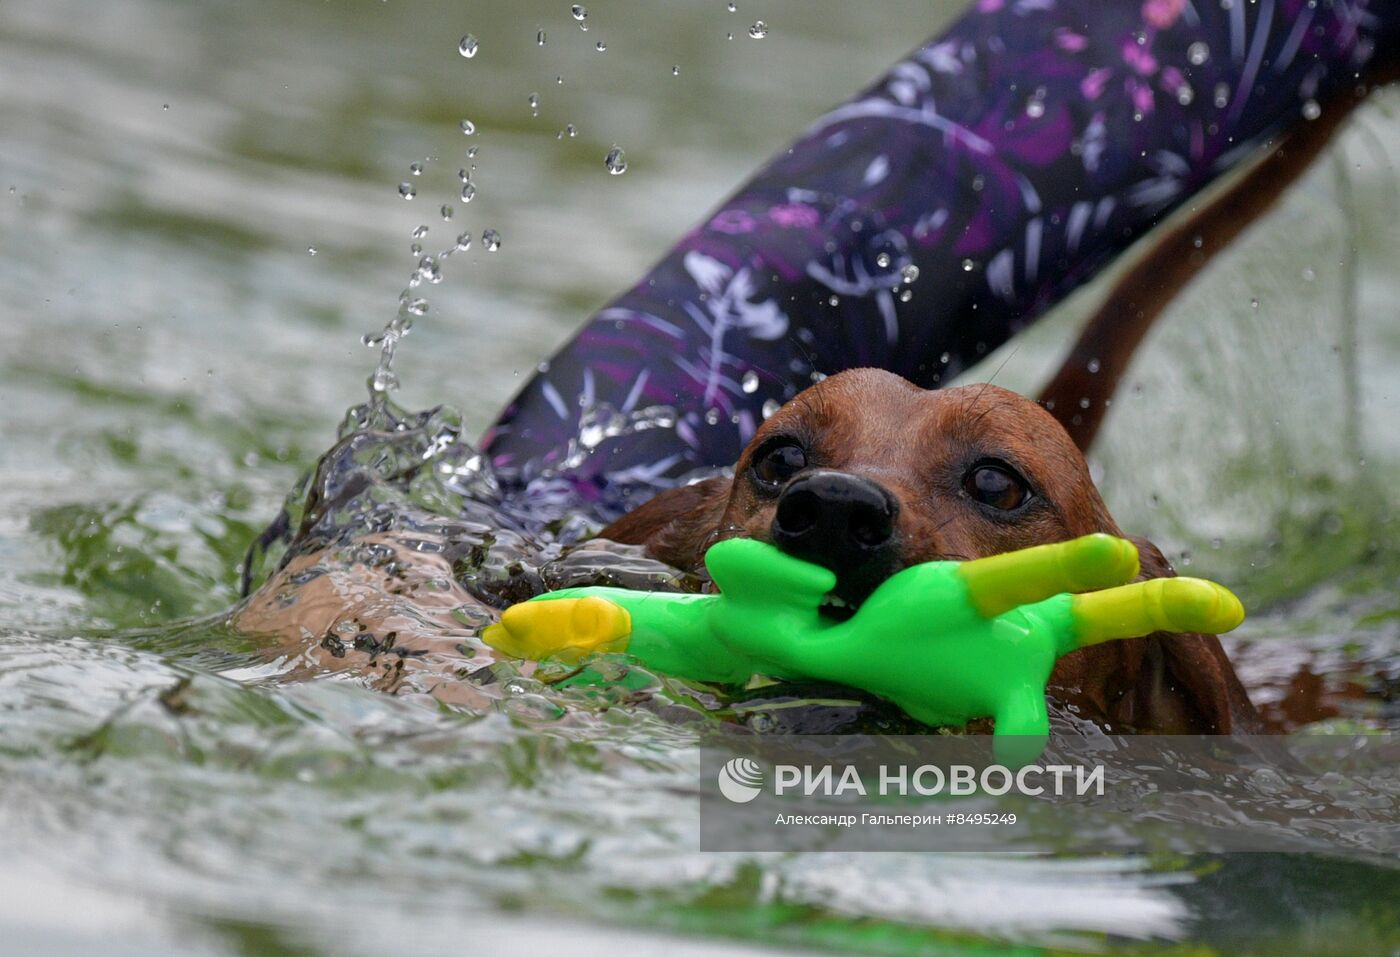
{"type": "Point", "coordinates": [922, 223]}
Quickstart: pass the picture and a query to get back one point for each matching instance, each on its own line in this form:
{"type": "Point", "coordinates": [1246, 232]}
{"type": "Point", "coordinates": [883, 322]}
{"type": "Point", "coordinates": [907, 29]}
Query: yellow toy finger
{"type": "Point", "coordinates": [1162, 604]}
{"type": "Point", "coordinates": [567, 629]}
{"type": "Point", "coordinates": [1001, 582]}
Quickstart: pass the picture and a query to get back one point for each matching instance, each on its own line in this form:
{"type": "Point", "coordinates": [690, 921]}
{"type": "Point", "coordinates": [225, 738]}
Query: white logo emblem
{"type": "Point", "coordinates": [741, 780]}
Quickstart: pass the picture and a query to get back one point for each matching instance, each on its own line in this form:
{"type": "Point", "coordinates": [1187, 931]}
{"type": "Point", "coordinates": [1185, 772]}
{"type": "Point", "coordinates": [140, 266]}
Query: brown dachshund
{"type": "Point", "coordinates": [866, 473]}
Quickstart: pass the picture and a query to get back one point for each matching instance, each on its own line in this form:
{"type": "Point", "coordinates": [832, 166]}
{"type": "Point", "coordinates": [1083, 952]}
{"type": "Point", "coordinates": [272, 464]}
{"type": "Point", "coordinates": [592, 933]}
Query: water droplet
{"type": "Point", "coordinates": [416, 169]}
{"type": "Point", "coordinates": [445, 211]}
{"type": "Point", "coordinates": [415, 249]}
{"type": "Point", "coordinates": [580, 12]}
{"type": "Point", "coordinates": [559, 80]}
{"type": "Point", "coordinates": [468, 127]}
{"type": "Point", "coordinates": [468, 46]}
{"type": "Point", "coordinates": [1308, 274]}
{"type": "Point", "coordinates": [407, 191]}
{"type": "Point", "coordinates": [732, 8]}
{"type": "Point", "coordinates": [428, 269]}
{"type": "Point", "coordinates": [759, 30]}
{"type": "Point", "coordinates": [1035, 106]}
{"type": "Point", "coordinates": [491, 240]}
{"type": "Point", "coordinates": [384, 380]}
{"type": "Point", "coordinates": [712, 417]}
{"type": "Point", "coordinates": [615, 161]}
{"type": "Point", "coordinates": [909, 273]}
{"type": "Point", "coordinates": [417, 306]}
{"type": "Point", "coordinates": [1094, 366]}
{"type": "Point", "coordinates": [1198, 53]}
{"type": "Point", "coordinates": [833, 300]}
{"type": "Point", "coordinates": [905, 295]}
{"type": "Point", "coordinates": [601, 47]}
{"type": "Point", "coordinates": [1311, 110]}
{"type": "Point", "coordinates": [1222, 95]}
{"type": "Point", "coordinates": [534, 101]}
{"type": "Point", "coordinates": [1254, 303]}
{"type": "Point", "coordinates": [978, 183]}
{"type": "Point", "coordinates": [967, 265]}
{"type": "Point", "coordinates": [770, 407]}
{"type": "Point", "coordinates": [472, 151]}
{"type": "Point", "coordinates": [1184, 95]}
{"type": "Point", "coordinates": [311, 250]}
{"type": "Point", "coordinates": [749, 383]}
{"type": "Point", "coordinates": [419, 232]}
{"type": "Point", "coordinates": [165, 106]}
{"type": "Point", "coordinates": [883, 260]}
{"type": "Point", "coordinates": [676, 70]}
{"type": "Point", "coordinates": [729, 36]}
{"type": "Point", "coordinates": [464, 241]}
{"type": "Point", "coordinates": [468, 191]}
{"type": "Point", "coordinates": [539, 38]}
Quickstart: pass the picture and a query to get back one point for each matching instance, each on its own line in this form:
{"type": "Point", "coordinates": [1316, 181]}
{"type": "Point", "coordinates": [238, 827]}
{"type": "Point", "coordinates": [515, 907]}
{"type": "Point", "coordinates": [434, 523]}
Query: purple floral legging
{"type": "Point", "coordinates": [919, 225]}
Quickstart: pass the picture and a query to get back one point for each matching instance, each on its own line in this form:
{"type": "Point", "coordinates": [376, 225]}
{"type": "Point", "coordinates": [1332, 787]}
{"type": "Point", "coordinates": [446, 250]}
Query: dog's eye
{"type": "Point", "coordinates": [777, 464]}
{"type": "Point", "coordinates": [997, 485]}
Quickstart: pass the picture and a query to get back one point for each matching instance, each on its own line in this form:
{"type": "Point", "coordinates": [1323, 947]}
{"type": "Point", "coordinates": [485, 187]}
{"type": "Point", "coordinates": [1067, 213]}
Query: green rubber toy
{"type": "Point", "coordinates": [948, 642]}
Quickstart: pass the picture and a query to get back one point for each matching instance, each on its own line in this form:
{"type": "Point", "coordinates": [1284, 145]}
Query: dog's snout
{"type": "Point", "coordinates": [836, 519]}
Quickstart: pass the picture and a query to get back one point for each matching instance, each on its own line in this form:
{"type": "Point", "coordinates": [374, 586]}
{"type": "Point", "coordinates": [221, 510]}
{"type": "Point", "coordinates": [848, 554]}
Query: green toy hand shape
{"type": "Point", "coordinates": [946, 641]}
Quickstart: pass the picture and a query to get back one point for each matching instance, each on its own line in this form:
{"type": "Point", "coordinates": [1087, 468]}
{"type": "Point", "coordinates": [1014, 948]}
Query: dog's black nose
{"type": "Point", "coordinates": [841, 521]}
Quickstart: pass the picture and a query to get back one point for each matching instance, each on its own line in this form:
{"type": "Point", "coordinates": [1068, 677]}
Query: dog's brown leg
{"type": "Point", "coordinates": [1078, 397]}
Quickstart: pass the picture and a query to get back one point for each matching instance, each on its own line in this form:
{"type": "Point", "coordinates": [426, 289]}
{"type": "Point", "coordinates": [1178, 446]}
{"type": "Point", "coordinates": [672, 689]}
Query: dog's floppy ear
{"type": "Point", "coordinates": [1185, 684]}
{"type": "Point", "coordinates": [677, 525]}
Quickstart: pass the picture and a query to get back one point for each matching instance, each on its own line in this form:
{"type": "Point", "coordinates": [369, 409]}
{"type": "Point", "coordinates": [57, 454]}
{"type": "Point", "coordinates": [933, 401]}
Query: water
{"type": "Point", "coordinates": [615, 161]}
{"type": "Point", "coordinates": [174, 360]}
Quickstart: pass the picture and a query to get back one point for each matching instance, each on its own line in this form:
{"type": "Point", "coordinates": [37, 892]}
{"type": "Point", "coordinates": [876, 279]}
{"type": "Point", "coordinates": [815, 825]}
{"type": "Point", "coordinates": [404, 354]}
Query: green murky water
{"type": "Point", "coordinates": [174, 356]}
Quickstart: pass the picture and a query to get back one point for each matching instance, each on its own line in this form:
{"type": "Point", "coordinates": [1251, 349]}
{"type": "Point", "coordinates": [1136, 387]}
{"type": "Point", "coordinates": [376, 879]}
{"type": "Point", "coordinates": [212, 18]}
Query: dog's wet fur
{"type": "Point", "coordinates": [888, 475]}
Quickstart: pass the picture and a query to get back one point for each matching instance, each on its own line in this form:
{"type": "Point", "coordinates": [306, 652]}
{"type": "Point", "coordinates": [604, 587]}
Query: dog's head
{"type": "Point", "coordinates": [866, 474]}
